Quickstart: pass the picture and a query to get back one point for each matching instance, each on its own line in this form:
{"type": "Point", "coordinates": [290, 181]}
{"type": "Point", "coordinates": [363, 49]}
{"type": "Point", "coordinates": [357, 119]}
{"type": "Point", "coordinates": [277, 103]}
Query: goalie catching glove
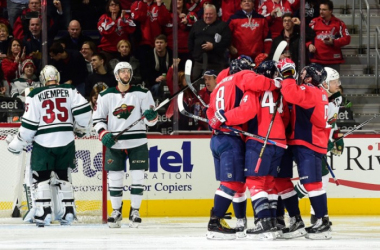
{"type": "Point", "coordinates": [106, 138]}
{"type": "Point", "coordinates": [17, 145]}
{"type": "Point", "coordinates": [218, 119]}
{"type": "Point", "coordinates": [80, 131]}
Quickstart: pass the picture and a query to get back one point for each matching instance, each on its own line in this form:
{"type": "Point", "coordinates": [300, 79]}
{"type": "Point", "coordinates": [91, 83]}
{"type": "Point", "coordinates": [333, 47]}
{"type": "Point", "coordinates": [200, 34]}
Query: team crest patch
{"type": "Point", "coordinates": [109, 161]}
{"type": "Point", "coordinates": [123, 112]}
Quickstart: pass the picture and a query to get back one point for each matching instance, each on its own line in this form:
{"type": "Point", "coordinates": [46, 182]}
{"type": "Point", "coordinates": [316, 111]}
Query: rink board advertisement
{"type": "Point", "coordinates": [181, 179]}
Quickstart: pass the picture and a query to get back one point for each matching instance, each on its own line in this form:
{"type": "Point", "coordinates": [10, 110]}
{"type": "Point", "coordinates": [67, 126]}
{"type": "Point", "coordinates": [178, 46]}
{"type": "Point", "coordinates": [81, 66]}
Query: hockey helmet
{"type": "Point", "coordinates": [123, 65]}
{"type": "Point", "coordinates": [49, 73]}
{"type": "Point", "coordinates": [241, 63]}
{"type": "Point", "coordinates": [332, 75]}
{"type": "Point", "coordinates": [315, 72]}
{"type": "Point", "coordinates": [268, 69]}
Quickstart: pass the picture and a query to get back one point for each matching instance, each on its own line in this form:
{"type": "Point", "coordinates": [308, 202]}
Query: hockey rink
{"type": "Point", "coordinates": [349, 232]}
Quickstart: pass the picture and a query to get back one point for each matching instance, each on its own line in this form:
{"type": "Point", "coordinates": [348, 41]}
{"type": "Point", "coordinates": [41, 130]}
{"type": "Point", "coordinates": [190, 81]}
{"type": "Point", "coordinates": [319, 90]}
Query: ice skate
{"type": "Point", "coordinates": [279, 224]}
{"type": "Point", "coordinates": [134, 218]}
{"type": "Point", "coordinates": [314, 219]}
{"type": "Point", "coordinates": [45, 218]}
{"type": "Point", "coordinates": [114, 221]}
{"type": "Point", "coordinates": [296, 228]}
{"type": "Point", "coordinates": [69, 217]}
{"type": "Point", "coordinates": [241, 227]}
{"type": "Point", "coordinates": [218, 229]}
{"type": "Point", "coordinates": [263, 230]}
{"type": "Point", "coordinates": [321, 230]}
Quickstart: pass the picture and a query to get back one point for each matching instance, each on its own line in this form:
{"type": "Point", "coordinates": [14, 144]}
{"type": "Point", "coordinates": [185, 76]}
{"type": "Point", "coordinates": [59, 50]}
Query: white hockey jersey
{"type": "Point", "coordinates": [49, 115]}
{"type": "Point", "coordinates": [115, 111]}
{"type": "Point", "coordinates": [335, 101]}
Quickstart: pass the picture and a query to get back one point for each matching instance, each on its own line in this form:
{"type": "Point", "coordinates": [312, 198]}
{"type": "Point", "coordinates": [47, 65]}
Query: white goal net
{"type": "Point", "coordinates": [86, 177]}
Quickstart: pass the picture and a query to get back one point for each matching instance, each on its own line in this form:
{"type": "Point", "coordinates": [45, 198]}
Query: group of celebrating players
{"type": "Point", "coordinates": [268, 102]}
{"type": "Point", "coordinates": [265, 101]}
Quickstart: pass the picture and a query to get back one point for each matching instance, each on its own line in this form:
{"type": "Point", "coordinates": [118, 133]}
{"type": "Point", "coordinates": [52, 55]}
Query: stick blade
{"type": "Point", "coordinates": [188, 67]}
{"type": "Point", "coordinates": [180, 102]}
{"type": "Point", "coordinates": [280, 48]}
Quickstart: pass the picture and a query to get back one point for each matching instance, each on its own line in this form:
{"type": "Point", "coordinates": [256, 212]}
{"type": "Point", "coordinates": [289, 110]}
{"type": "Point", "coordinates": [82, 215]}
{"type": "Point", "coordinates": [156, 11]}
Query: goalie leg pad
{"type": "Point", "coordinates": [115, 184]}
{"type": "Point", "coordinates": [42, 214]}
{"type": "Point", "coordinates": [63, 201]}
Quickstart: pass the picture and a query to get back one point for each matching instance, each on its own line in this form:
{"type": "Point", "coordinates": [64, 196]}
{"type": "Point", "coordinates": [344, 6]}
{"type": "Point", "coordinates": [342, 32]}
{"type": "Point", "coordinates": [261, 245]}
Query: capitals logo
{"type": "Point", "coordinates": [123, 112]}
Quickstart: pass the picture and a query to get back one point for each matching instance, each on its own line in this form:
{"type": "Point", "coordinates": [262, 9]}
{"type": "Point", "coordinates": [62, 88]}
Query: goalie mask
{"type": "Point", "coordinates": [241, 63]}
{"type": "Point", "coordinates": [314, 74]}
{"type": "Point", "coordinates": [123, 66]}
{"type": "Point", "coordinates": [268, 69]}
{"type": "Point", "coordinates": [49, 73]}
{"type": "Point", "coordinates": [332, 78]}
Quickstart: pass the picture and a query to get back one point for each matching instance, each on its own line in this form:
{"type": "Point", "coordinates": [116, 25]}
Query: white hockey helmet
{"type": "Point", "coordinates": [49, 73]}
{"type": "Point", "coordinates": [332, 74]}
{"type": "Point", "coordinates": [123, 65]}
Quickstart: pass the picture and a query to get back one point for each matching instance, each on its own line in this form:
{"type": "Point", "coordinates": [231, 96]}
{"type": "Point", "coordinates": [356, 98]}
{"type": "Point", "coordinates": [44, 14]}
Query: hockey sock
{"type": "Point", "coordinates": [290, 201]}
{"type": "Point", "coordinates": [280, 208]}
{"type": "Point", "coordinates": [115, 184]}
{"type": "Point", "coordinates": [272, 198]}
{"type": "Point", "coordinates": [222, 200]}
{"type": "Point", "coordinates": [239, 202]}
{"type": "Point", "coordinates": [319, 203]}
{"type": "Point", "coordinates": [137, 188]}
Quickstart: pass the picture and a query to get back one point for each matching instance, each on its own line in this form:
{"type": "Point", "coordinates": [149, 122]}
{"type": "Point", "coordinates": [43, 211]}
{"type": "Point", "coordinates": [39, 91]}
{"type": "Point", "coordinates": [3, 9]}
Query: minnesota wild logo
{"type": "Point", "coordinates": [123, 112]}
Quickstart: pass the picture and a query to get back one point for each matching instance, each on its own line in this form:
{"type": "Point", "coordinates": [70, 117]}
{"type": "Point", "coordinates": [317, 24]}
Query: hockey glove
{"type": "Point", "coordinates": [106, 138]}
{"type": "Point", "coordinates": [150, 114]}
{"type": "Point", "coordinates": [330, 146]}
{"type": "Point", "coordinates": [338, 149]}
{"type": "Point", "coordinates": [218, 119]}
{"type": "Point", "coordinates": [287, 68]}
{"type": "Point", "coordinates": [17, 145]}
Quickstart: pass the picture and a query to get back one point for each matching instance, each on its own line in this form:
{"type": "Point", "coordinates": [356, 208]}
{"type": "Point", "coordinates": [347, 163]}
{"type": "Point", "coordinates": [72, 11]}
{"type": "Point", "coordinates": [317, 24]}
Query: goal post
{"type": "Point", "coordinates": [88, 178]}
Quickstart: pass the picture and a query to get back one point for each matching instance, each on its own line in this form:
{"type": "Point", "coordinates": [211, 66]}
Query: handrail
{"type": "Point", "coordinates": [367, 22]}
{"type": "Point", "coordinates": [353, 16]}
{"type": "Point", "coordinates": [377, 56]}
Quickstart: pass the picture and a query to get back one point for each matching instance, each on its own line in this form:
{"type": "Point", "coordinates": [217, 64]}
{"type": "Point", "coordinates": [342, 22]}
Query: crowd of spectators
{"type": "Point", "coordinates": [210, 33]}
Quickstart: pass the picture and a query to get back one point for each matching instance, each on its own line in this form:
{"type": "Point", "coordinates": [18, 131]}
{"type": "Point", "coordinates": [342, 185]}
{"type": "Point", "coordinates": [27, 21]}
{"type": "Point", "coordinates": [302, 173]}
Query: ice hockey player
{"type": "Point", "coordinates": [51, 115]}
{"type": "Point", "coordinates": [331, 85]}
{"type": "Point", "coordinates": [308, 143]}
{"type": "Point", "coordinates": [117, 108]}
{"type": "Point", "coordinates": [228, 147]}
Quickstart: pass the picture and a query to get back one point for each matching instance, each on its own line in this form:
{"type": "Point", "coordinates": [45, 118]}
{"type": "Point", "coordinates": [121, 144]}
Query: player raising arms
{"type": "Point", "coordinates": [51, 114]}
{"type": "Point", "coordinates": [228, 147]}
{"type": "Point", "coordinates": [308, 142]}
{"type": "Point", "coordinates": [123, 105]}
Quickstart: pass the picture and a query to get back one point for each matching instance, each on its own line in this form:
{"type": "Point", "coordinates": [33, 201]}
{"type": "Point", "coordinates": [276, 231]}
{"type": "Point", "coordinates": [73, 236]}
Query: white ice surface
{"type": "Point", "coordinates": [360, 233]}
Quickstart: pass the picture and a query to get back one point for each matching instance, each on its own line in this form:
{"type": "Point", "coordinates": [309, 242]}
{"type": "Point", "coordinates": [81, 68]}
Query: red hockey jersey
{"type": "Point", "coordinates": [308, 116]}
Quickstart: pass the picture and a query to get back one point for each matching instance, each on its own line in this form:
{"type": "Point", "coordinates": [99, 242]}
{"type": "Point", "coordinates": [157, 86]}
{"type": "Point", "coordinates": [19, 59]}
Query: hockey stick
{"type": "Point", "coordinates": [188, 67]}
{"type": "Point", "coordinates": [278, 52]}
{"type": "Point", "coordinates": [163, 103]}
{"type": "Point", "coordinates": [276, 57]}
{"type": "Point", "coordinates": [267, 136]}
{"type": "Point", "coordinates": [186, 113]}
{"type": "Point", "coordinates": [357, 127]}
{"type": "Point", "coordinates": [330, 170]}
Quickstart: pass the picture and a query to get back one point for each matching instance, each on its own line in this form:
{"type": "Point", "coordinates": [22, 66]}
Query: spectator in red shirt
{"type": "Point", "coordinates": [331, 35]}
{"type": "Point", "coordinates": [250, 32]}
{"type": "Point", "coordinates": [114, 26]}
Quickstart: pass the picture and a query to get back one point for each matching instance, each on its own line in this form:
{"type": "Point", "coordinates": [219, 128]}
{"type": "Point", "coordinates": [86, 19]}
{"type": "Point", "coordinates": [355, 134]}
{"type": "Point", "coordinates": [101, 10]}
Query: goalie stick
{"type": "Point", "coordinates": [188, 67]}
{"type": "Point", "coordinates": [163, 103]}
{"type": "Point", "coordinates": [276, 57]}
{"type": "Point", "coordinates": [330, 170]}
{"type": "Point", "coordinates": [186, 113]}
